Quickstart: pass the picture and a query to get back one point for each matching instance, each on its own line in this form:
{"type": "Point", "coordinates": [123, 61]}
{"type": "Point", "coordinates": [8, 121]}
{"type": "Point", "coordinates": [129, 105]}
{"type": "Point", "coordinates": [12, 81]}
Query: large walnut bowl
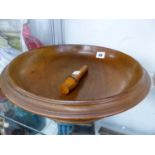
{"type": "Point", "coordinates": [113, 84]}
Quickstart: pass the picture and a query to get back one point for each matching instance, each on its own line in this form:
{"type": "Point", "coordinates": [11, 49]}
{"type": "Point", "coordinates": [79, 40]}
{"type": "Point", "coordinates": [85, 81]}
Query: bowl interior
{"type": "Point", "coordinates": [42, 71]}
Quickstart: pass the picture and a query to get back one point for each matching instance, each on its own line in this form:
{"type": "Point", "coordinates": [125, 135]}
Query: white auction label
{"type": "Point", "coordinates": [76, 72]}
{"type": "Point", "coordinates": [100, 55]}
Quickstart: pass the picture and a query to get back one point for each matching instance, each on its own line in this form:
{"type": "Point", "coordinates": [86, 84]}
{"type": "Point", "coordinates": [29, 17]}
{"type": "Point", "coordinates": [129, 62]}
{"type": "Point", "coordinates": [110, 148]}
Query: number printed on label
{"type": "Point", "coordinates": [100, 55]}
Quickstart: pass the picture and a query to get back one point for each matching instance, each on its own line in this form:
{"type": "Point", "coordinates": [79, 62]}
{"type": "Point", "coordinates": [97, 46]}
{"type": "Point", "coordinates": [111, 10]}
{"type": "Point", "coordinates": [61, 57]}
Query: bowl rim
{"type": "Point", "coordinates": [73, 111]}
{"type": "Point", "coordinates": [76, 102]}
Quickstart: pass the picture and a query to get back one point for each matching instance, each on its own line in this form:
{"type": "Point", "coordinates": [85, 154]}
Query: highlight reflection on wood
{"type": "Point", "coordinates": [114, 83]}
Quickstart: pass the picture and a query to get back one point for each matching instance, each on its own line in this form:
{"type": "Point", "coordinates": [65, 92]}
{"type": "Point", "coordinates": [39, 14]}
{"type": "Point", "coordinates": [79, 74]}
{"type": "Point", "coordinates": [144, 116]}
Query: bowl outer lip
{"type": "Point", "coordinates": [69, 102]}
{"type": "Point", "coordinates": [76, 117]}
{"type": "Point", "coordinates": [80, 104]}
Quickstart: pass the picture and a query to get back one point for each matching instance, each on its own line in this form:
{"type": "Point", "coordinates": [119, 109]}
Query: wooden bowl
{"type": "Point", "coordinates": [114, 83]}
